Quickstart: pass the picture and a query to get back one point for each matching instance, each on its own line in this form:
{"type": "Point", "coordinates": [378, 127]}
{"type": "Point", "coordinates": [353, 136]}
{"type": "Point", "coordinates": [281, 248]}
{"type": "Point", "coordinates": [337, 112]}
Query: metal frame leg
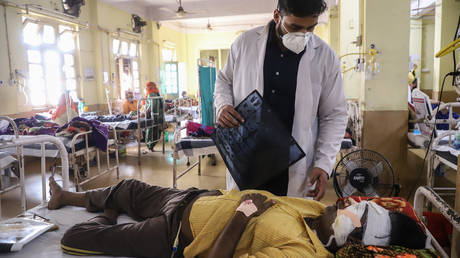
{"type": "Point", "coordinates": [163, 132]}
{"type": "Point", "coordinates": [43, 170]}
{"type": "Point", "coordinates": [174, 171]}
{"type": "Point", "coordinates": [199, 165]}
{"type": "Point", "coordinates": [76, 172]}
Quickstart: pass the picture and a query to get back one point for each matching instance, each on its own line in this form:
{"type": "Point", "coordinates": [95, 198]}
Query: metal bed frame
{"type": "Point", "coordinates": [175, 155]}
{"type": "Point", "coordinates": [19, 143]}
{"type": "Point", "coordinates": [72, 156]}
{"type": "Point", "coordinates": [424, 194]}
{"type": "Point", "coordinates": [153, 115]}
{"type": "Point", "coordinates": [86, 151]}
{"type": "Point", "coordinates": [180, 114]}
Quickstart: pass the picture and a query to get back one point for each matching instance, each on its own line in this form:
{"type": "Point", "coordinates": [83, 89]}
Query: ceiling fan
{"type": "Point", "coordinates": [180, 12]}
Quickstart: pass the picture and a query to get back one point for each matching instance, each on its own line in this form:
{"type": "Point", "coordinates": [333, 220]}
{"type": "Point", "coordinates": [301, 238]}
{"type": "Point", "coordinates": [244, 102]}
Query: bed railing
{"type": "Point", "coordinates": [423, 194]}
{"type": "Point", "coordinates": [19, 142]}
{"type": "Point", "coordinates": [153, 116]}
{"type": "Point", "coordinates": [87, 150]}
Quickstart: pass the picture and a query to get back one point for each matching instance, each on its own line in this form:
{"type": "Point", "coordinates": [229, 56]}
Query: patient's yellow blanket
{"type": "Point", "coordinates": [279, 232]}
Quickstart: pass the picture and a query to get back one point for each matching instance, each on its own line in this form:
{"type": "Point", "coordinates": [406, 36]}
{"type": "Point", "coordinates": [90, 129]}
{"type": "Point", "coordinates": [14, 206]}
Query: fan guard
{"type": "Point", "coordinates": [364, 173]}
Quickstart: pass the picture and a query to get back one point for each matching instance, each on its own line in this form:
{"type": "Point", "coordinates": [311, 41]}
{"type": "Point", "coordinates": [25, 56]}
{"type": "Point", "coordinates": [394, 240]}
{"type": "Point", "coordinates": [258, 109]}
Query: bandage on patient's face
{"type": "Point", "coordinates": [353, 217]}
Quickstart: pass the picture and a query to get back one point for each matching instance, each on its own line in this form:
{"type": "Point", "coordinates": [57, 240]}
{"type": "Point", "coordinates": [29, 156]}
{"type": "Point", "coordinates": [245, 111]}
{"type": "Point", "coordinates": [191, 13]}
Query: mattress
{"type": "Point", "coordinates": [48, 244]}
{"type": "Point", "coordinates": [51, 150]}
{"type": "Point", "coordinates": [170, 119]}
{"type": "Point", "coordinates": [129, 124]}
{"type": "Point", "coordinates": [447, 155]}
{"type": "Point", "coordinates": [189, 146]}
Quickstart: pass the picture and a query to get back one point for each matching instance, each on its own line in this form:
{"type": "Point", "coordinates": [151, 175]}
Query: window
{"type": "Point", "coordinates": [136, 84]}
{"type": "Point", "coordinates": [127, 63]}
{"type": "Point", "coordinates": [132, 50]}
{"type": "Point", "coordinates": [171, 78]}
{"type": "Point", "coordinates": [115, 46]}
{"type": "Point", "coordinates": [51, 61]}
{"type": "Point", "coordinates": [124, 48]}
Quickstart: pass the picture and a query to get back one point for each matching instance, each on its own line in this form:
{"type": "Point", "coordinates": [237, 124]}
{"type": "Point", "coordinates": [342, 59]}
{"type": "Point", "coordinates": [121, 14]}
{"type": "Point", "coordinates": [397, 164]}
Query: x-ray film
{"type": "Point", "coordinates": [259, 149]}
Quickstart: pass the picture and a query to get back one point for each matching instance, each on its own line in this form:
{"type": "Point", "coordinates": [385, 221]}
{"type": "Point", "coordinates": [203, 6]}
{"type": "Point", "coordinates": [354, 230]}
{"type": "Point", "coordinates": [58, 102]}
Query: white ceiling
{"type": "Point", "coordinates": [223, 15]}
{"type": "Point", "coordinates": [161, 10]}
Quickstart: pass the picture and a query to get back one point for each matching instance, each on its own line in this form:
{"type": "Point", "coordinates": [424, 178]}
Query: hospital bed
{"type": "Point", "coordinates": [146, 119]}
{"type": "Point", "coordinates": [441, 149]}
{"type": "Point", "coordinates": [183, 110]}
{"type": "Point", "coordinates": [48, 244]}
{"type": "Point", "coordinates": [17, 142]}
{"type": "Point", "coordinates": [185, 146]}
{"type": "Point", "coordinates": [79, 145]}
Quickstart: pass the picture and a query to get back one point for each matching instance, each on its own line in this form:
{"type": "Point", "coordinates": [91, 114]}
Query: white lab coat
{"type": "Point", "coordinates": [320, 116]}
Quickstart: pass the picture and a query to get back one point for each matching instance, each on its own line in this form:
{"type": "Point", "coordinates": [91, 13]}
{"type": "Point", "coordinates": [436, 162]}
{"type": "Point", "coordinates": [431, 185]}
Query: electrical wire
{"type": "Point", "coordinates": [431, 140]}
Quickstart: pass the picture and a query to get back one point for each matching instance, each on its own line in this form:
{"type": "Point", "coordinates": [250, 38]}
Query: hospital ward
{"type": "Point", "coordinates": [230, 128]}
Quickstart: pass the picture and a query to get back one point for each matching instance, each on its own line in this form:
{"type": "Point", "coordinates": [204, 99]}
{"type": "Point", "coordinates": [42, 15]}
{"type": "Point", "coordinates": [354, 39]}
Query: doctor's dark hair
{"type": "Point", "coordinates": [302, 8]}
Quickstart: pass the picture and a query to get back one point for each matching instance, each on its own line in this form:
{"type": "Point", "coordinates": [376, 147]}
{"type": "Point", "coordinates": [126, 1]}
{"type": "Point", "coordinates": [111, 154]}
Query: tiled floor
{"type": "Point", "coordinates": [156, 169]}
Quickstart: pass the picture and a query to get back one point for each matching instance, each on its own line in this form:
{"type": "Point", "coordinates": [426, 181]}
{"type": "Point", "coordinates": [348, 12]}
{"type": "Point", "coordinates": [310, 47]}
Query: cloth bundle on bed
{"type": "Point", "coordinates": [100, 133]}
{"type": "Point", "coordinates": [34, 126]}
{"type": "Point", "coordinates": [199, 130]}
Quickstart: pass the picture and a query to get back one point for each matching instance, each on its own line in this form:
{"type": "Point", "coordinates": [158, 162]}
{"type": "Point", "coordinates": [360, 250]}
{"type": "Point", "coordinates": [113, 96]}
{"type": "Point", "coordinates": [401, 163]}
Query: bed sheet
{"type": "Point", "coordinates": [48, 244]}
{"type": "Point", "coordinates": [129, 124]}
{"type": "Point", "coordinates": [190, 147]}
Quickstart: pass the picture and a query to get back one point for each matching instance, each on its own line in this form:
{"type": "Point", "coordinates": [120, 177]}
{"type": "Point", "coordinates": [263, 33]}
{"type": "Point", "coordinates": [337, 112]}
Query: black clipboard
{"type": "Point", "coordinates": [259, 149]}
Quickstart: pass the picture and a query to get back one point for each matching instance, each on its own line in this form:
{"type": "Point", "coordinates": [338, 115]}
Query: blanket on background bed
{"type": "Point", "coordinates": [100, 133]}
{"type": "Point", "coordinates": [34, 126]}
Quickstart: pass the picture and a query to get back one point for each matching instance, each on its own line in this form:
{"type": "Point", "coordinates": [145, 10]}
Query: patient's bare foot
{"type": "Point", "coordinates": [56, 195]}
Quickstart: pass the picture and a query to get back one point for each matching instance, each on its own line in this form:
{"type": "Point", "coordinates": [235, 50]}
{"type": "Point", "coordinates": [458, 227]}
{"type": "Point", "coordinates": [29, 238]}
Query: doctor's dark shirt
{"type": "Point", "coordinates": [280, 82]}
{"type": "Point", "coordinates": [280, 78]}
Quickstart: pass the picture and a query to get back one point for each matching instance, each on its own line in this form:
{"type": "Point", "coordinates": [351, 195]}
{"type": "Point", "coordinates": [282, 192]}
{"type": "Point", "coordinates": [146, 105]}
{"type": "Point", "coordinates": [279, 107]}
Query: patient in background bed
{"type": "Point", "coordinates": [442, 114]}
{"type": "Point", "coordinates": [59, 115]}
{"type": "Point", "coordinates": [201, 223]}
{"type": "Point", "coordinates": [130, 104]}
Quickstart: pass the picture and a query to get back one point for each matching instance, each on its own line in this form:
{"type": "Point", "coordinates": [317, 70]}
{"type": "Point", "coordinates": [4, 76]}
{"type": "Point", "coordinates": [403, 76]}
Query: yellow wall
{"type": "Point", "coordinates": [447, 12]}
{"type": "Point", "coordinates": [388, 89]}
{"type": "Point", "coordinates": [415, 43]}
{"type": "Point", "coordinates": [202, 41]}
{"type": "Point", "coordinates": [350, 23]}
{"type": "Point", "coordinates": [427, 74]}
{"type": "Point", "coordinates": [334, 28]}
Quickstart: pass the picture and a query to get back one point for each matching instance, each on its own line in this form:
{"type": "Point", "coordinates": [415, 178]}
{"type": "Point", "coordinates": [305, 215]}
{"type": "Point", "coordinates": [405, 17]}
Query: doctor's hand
{"type": "Point", "coordinates": [229, 117]}
{"type": "Point", "coordinates": [319, 177]}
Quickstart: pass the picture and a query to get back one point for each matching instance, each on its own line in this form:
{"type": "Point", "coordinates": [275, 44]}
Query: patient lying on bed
{"type": "Point", "coordinates": [205, 223]}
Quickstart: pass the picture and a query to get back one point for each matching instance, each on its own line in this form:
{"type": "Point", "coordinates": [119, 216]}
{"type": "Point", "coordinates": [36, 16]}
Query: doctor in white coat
{"type": "Point", "coordinates": [319, 114]}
